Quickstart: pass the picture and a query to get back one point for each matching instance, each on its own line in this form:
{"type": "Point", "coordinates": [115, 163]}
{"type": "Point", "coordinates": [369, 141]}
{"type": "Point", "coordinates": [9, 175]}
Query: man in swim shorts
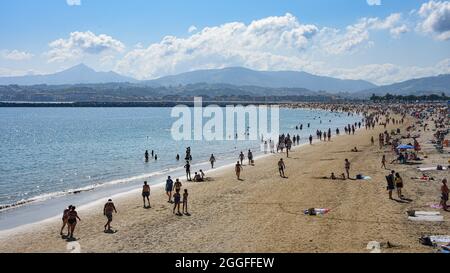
{"type": "Point", "coordinates": [108, 212]}
{"type": "Point", "coordinates": [169, 189]}
{"type": "Point", "coordinates": [146, 193]}
{"type": "Point", "coordinates": [281, 167]}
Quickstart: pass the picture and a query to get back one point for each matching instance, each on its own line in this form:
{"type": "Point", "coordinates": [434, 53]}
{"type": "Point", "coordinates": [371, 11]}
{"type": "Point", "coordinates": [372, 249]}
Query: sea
{"type": "Point", "coordinates": [53, 157]}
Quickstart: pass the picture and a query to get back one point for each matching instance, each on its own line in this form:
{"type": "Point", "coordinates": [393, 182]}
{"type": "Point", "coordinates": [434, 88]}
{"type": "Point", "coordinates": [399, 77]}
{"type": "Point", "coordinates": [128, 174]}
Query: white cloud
{"type": "Point", "coordinates": [435, 19]}
{"type": "Point", "coordinates": [358, 35]}
{"type": "Point", "coordinates": [80, 44]}
{"type": "Point", "coordinates": [16, 55]}
{"type": "Point", "coordinates": [389, 73]}
{"type": "Point", "coordinates": [268, 43]}
{"type": "Point", "coordinates": [192, 29]}
{"type": "Point", "coordinates": [73, 2]}
{"type": "Point", "coordinates": [374, 2]}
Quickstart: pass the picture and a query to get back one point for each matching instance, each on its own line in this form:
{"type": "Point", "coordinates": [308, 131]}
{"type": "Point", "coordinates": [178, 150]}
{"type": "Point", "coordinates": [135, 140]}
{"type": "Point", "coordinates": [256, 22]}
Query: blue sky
{"type": "Point", "coordinates": [393, 41]}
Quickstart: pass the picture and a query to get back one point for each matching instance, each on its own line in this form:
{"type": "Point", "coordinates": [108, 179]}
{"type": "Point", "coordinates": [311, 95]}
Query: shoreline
{"type": "Point", "coordinates": [116, 186]}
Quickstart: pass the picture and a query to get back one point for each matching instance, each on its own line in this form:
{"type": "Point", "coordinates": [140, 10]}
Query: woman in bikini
{"type": "Point", "coordinates": [72, 221]}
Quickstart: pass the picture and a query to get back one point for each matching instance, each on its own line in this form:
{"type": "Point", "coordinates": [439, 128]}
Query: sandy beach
{"type": "Point", "coordinates": [265, 213]}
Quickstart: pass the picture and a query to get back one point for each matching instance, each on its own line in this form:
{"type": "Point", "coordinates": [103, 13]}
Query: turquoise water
{"type": "Point", "coordinates": [47, 153]}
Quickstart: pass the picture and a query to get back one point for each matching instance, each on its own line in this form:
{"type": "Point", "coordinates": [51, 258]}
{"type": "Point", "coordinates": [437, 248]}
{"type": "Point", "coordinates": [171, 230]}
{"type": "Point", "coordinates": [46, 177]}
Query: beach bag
{"type": "Point", "coordinates": [359, 177]}
{"type": "Point", "coordinates": [439, 168]}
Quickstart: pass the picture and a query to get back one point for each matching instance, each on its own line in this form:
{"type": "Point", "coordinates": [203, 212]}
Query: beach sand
{"type": "Point", "coordinates": [264, 213]}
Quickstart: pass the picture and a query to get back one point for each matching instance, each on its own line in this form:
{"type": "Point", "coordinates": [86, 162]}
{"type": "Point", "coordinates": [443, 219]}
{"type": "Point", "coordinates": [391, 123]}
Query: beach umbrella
{"type": "Point", "coordinates": [405, 147]}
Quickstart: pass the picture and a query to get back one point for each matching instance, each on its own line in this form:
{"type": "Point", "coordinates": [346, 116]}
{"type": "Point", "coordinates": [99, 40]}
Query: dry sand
{"type": "Point", "coordinates": [264, 213]}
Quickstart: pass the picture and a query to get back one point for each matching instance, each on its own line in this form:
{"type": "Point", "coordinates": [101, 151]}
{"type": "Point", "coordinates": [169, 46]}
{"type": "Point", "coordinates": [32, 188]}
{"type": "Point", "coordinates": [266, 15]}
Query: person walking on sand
{"type": "Point", "coordinates": [72, 217]}
{"type": "Point", "coordinates": [399, 185]}
{"type": "Point", "coordinates": [169, 188]}
{"type": "Point", "coordinates": [281, 167]}
{"type": "Point", "coordinates": [188, 171]}
{"type": "Point", "coordinates": [65, 217]}
{"type": "Point", "coordinates": [383, 162]}
{"type": "Point", "coordinates": [185, 202]}
{"type": "Point", "coordinates": [238, 169]}
{"type": "Point", "coordinates": [177, 185]}
{"type": "Point", "coordinates": [177, 200]}
{"type": "Point", "coordinates": [241, 157]}
{"type": "Point", "coordinates": [212, 159]}
{"type": "Point", "coordinates": [146, 194]}
{"type": "Point", "coordinates": [444, 194]}
{"type": "Point", "coordinates": [347, 168]}
{"type": "Point", "coordinates": [108, 210]}
{"type": "Point", "coordinates": [390, 183]}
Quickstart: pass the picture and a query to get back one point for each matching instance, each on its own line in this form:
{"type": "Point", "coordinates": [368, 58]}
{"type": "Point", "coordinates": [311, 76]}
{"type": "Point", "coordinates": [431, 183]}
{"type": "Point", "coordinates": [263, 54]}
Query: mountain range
{"type": "Point", "coordinates": [240, 79]}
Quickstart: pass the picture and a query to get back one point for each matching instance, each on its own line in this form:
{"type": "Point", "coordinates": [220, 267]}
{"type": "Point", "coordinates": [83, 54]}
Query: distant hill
{"type": "Point", "coordinates": [422, 86]}
{"type": "Point", "coordinates": [75, 75]}
{"type": "Point", "coordinates": [239, 76]}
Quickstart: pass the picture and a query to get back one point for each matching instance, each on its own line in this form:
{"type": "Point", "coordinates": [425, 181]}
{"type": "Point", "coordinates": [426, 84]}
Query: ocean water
{"type": "Point", "coordinates": [48, 153]}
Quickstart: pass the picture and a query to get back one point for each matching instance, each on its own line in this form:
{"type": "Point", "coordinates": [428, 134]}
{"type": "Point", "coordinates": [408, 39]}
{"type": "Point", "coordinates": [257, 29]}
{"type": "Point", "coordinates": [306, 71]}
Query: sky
{"type": "Point", "coordinates": [382, 41]}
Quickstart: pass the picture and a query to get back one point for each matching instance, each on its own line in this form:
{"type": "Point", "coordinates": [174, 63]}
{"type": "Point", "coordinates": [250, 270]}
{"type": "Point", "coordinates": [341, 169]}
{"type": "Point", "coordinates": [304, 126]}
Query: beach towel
{"type": "Point", "coordinates": [431, 169]}
{"type": "Point", "coordinates": [317, 211]}
{"type": "Point", "coordinates": [441, 239]}
{"type": "Point", "coordinates": [427, 218]}
{"type": "Point", "coordinates": [427, 213]}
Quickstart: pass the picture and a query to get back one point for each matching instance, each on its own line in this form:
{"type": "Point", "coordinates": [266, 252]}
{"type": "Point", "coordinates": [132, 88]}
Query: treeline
{"type": "Point", "coordinates": [390, 97]}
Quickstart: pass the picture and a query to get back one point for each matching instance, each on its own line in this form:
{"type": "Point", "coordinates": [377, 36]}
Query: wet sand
{"type": "Point", "coordinates": [264, 213]}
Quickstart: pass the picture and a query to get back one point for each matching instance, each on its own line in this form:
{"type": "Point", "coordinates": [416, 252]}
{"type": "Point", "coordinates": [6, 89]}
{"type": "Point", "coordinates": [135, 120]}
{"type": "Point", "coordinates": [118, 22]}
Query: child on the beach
{"type": "Point", "coordinates": [177, 199]}
{"type": "Point", "coordinates": [185, 202]}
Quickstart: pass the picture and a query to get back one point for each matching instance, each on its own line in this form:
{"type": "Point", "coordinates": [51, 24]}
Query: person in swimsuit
{"type": "Point", "coordinates": [399, 185]}
{"type": "Point", "coordinates": [281, 167]}
{"type": "Point", "coordinates": [310, 139]}
{"type": "Point", "coordinates": [146, 193]}
{"type": "Point", "coordinates": [146, 156]}
{"type": "Point", "coordinates": [250, 157]}
{"type": "Point", "coordinates": [202, 174]}
{"type": "Point", "coordinates": [347, 168]}
{"type": "Point", "coordinates": [65, 217]}
{"type": "Point", "coordinates": [238, 169]}
{"type": "Point", "coordinates": [108, 210]}
{"type": "Point", "coordinates": [390, 183]}
{"type": "Point", "coordinates": [444, 194]}
{"type": "Point", "coordinates": [185, 202]}
{"type": "Point", "coordinates": [212, 159]}
{"type": "Point", "coordinates": [241, 157]}
{"type": "Point", "coordinates": [383, 162]}
{"type": "Point", "coordinates": [177, 185]}
{"type": "Point", "coordinates": [177, 199]}
{"type": "Point", "coordinates": [72, 217]}
{"type": "Point", "coordinates": [188, 171]}
{"type": "Point", "coordinates": [169, 188]}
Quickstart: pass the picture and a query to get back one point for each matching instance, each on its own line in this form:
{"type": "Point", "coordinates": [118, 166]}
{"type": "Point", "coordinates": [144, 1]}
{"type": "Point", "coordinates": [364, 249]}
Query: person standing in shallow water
{"type": "Point", "coordinates": [241, 157]}
{"type": "Point", "coordinates": [212, 159]}
{"type": "Point", "coordinates": [310, 139]}
{"type": "Point", "coordinates": [146, 156]}
{"type": "Point", "coordinates": [188, 171]}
